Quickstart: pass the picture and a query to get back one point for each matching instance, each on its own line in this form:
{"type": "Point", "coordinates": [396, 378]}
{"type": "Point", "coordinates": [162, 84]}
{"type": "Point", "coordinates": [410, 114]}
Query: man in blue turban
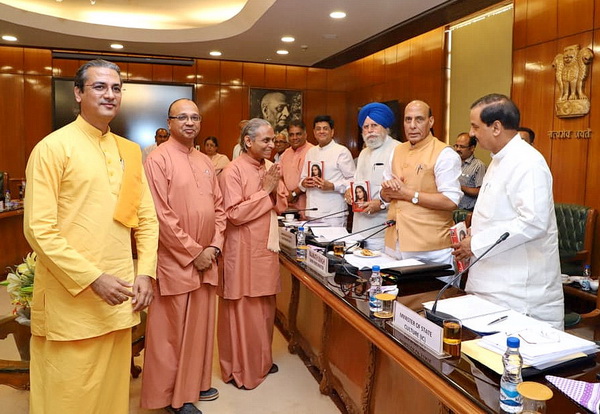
{"type": "Point", "coordinates": [374, 119]}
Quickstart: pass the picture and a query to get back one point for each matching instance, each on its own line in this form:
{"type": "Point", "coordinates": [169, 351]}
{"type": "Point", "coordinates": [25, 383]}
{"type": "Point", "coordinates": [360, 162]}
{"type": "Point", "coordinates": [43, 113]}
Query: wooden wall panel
{"type": "Point", "coordinates": [391, 65]}
{"type": "Point", "coordinates": [574, 16]}
{"type": "Point", "coordinates": [336, 107]}
{"type": "Point", "coordinates": [12, 152]}
{"type": "Point", "coordinates": [11, 60]}
{"type": "Point", "coordinates": [232, 98]}
{"type": "Point", "coordinates": [541, 20]}
{"type": "Point", "coordinates": [596, 14]}
{"type": "Point", "coordinates": [37, 94]}
{"type": "Point", "coordinates": [296, 77]}
{"type": "Point", "coordinates": [208, 100]}
{"type": "Point", "coordinates": [315, 103]}
{"type": "Point", "coordinates": [184, 74]}
{"type": "Point", "coordinates": [139, 72]}
{"type": "Point", "coordinates": [65, 68]}
{"type": "Point", "coordinates": [379, 67]}
{"type": "Point", "coordinates": [592, 189]}
{"type": "Point", "coordinates": [37, 62]}
{"type": "Point", "coordinates": [518, 82]}
{"type": "Point", "coordinates": [367, 72]}
{"type": "Point", "coordinates": [162, 73]}
{"type": "Point", "coordinates": [208, 71]}
{"type": "Point", "coordinates": [254, 74]}
{"type": "Point", "coordinates": [231, 73]}
{"type": "Point", "coordinates": [275, 76]}
{"type": "Point", "coordinates": [13, 246]}
{"type": "Point", "coordinates": [520, 24]}
{"type": "Point", "coordinates": [337, 79]}
{"type": "Point", "coordinates": [316, 79]}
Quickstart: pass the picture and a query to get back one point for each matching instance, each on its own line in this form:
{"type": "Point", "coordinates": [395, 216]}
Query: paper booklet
{"type": "Point", "coordinates": [457, 233]}
{"type": "Point", "coordinates": [316, 169]}
{"type": "Point", "coordinates": [361, 193]}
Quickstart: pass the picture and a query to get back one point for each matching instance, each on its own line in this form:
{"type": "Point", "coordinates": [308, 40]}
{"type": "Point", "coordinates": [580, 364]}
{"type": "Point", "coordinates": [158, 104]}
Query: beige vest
{"type": "Point", "coordinates": [418, 229]}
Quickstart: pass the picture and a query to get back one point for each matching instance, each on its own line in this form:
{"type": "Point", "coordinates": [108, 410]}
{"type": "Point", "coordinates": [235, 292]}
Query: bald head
{"type": "Point", "coordinates": [418, 121]}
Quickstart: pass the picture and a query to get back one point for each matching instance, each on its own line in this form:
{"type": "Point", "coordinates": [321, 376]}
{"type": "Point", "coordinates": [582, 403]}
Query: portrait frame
{"type": "Point", "coordinates": [293, 99]}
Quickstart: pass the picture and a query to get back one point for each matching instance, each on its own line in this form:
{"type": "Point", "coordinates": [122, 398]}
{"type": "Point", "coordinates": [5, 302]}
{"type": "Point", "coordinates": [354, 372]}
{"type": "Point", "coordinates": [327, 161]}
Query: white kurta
{"type": "Point", "coordinates": [370, 167]}
{"type": "Point", "coordinates": [523, 272]}
{"type": "Point", "coordinates": [339, 169]}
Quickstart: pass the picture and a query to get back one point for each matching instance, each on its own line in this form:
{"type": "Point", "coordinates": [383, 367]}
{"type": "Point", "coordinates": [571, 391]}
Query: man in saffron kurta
{"type": "Point", "coordinates": [252, 195]}
{"type": "Point", "coordinates": [180, 327]}
{"type": "Point", "coordinates": [86, 190]}
{"type": "Point", "coordinates": [292, 164]}
{"type": "Point", "coordinates": [422, 185]}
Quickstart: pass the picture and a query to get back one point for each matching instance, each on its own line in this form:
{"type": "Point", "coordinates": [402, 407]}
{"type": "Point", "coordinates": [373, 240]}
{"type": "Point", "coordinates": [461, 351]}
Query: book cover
{"type": "Point", "coordinates": [361, 193]}
{"type": "Point", "coordinates": [457, 233]}
{"type": "Point", "coordinates": [316, 169]}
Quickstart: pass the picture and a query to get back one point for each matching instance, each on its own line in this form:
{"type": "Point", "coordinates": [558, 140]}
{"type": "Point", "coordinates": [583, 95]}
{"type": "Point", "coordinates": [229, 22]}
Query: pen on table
{"type": "Point", "coordinates": [498, 320]}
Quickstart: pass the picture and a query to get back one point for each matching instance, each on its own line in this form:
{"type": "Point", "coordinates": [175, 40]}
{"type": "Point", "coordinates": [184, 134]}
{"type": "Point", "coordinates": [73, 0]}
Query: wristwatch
{"type": "Point", "coordinates": [415, 199]}
{"type": "Point", "coordinates": [381, 205]}
{"type": "Point", "coordinates": [294, 194]}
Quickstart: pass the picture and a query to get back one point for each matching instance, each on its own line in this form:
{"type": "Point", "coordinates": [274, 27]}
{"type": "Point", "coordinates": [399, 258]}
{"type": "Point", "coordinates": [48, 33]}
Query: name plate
{"type": "Point", "coordinates": [287, 238]}
{"type": "Point", "coordinates": [418, 328]}
{"type": "Point", "coordinates": [317, 262]}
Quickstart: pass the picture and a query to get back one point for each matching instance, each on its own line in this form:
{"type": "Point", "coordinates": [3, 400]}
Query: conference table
{"type": "Point", "coordinates": [367, 366]}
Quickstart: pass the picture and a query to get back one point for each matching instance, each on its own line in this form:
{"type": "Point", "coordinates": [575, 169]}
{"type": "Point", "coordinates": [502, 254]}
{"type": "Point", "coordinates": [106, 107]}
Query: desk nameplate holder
{"type": "Point", "coordinates": [420, 330]}
{"type": "Point", "coordinates": [287, 238]}
{"type": "Point", "coordinates": [317, 261]}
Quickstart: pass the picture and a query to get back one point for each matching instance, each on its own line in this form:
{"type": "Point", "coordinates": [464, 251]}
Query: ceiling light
{"type": "Point", "coordinates": [116, 46]}
{"type": "Point", "coordinates": [287, 39]}
{"type": "Point", "coordinates": [282, 52]}
{"type": "Point", "coordinates": [92, 2]}
{"type": "Point", "coordinates": [215, 53]}
{"type": "Point", "coordinates": [9, 38]}
{"type": "Point", "coordinates": [337, 15]}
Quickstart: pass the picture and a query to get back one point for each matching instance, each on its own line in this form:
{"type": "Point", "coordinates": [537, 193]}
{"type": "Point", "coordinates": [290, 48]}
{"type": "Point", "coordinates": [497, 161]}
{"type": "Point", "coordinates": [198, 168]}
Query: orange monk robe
{"type": "Point", "coordinates": [292, 163]}
{"type": "Point", "coordinates": [251, 273]}
{"type": "Point", "coordinates": [180, 327]}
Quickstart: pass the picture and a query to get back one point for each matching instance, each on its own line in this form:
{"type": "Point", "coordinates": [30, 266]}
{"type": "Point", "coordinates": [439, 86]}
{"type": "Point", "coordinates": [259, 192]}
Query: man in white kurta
{"type": "Point", "coordinates": [326, 193]}
{"type": "Point", "coordinates": [523, 272]}
{"type": "Point", "coordinates": [374, 119]}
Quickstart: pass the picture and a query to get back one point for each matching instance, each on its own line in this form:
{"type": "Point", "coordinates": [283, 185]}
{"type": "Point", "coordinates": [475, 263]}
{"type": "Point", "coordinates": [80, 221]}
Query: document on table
{"type": "Point", "coordinates": [384, 261]}
{"type": "Point", "coordinates": [467, 306]}
{"type": "Point", "coordinates": [327, 234]}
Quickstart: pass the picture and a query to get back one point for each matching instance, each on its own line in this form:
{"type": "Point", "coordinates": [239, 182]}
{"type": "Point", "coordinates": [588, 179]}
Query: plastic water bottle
{"type": "Point", "coordinates": [587, 278]}
{"type": "Point", "coordinates": [301, 245]}
{"type": "Point", "coordinates": [510, 399]}
{"type": "Point", "coordinates": [375, 289]}
{"type": "Point", "coordinates": [7, 202]}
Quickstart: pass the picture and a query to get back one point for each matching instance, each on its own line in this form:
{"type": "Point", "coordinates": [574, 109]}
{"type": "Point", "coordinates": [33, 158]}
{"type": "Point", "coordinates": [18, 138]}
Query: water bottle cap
{"type": "Point", "coordinates": [301, 228]}
{"type": "Point", "coordinates": [513, 342]}
{"type": "Point", "coordinates": [376, 268]}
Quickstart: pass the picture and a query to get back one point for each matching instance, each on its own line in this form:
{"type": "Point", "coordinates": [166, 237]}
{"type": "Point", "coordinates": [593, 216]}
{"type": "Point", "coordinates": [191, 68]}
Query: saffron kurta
{"type": "Point", "coordinates": [292, 164]}
{"type": "Point", "coordinates": [180, 327]}
{"type": "Point", "coordinates": [219, 161]}
{"type": "Point", "coordinates": [251, 273]}
{"type": "Point", "coordinates": [73, 181]}
{"type": "Point", "coordinates": [523, 272]}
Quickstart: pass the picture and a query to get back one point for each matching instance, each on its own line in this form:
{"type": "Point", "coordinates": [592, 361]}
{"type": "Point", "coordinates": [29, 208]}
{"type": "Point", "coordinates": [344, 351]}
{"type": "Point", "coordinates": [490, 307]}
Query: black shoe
{"type": "Point", "coordinates": [187, 408]}
{"type": "Point", "coordinates": [210, 394]}
{"type": "Point", "coordinates": [274, 369]}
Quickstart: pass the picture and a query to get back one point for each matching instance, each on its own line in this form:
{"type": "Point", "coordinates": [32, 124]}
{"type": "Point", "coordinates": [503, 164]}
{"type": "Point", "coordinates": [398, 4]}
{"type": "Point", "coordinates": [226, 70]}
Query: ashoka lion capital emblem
{"type": "Point", "coordinates": [571, 71]}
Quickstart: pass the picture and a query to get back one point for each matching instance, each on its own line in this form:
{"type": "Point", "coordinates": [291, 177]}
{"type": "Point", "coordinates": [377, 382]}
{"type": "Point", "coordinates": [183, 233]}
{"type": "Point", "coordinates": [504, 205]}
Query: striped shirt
{"type": "Point", "coordinates": [473, 170]}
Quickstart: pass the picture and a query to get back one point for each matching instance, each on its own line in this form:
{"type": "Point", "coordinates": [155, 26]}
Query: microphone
{"type": "Point", "coordinates": [295, 210]}
{"type": "Point", "coordinates": [385, 225]}
{"type": "Point", "coordinates": [438, 317]}
{"type": "Point", "coordinates": [325, 216]}
{"type": "Point", "coordinates": [361, 243]}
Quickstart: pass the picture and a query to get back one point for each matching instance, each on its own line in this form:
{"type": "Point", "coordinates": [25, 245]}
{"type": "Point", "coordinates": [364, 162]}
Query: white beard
{"type": "Point", "coordinates": [373, 144]}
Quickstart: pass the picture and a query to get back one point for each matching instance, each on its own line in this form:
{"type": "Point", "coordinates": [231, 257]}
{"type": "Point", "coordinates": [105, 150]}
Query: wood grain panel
{"type": "Point", "coordinates": [208, 71]}
{"type": "Point", "coordinates": [254, 74]}
{"type": "Point", "coordinates": [367, 72]}
{"type": "Point", "coordinates": [13, 246]}
{"type": "Point", "coordinates": [520, 24]}
{"type": "Point", "coordinates": [391, 65]}
{"type": "Point", "coordinates": [184, 74]}
{"type": "Point", "coordinates": [537, 110]}
{"type": "Point", "coordinates": [37, 62]}
{"type": "Point", "coordinates": [38, 101]}
{"type": "Point", "coordinates": [283, 298]}
{"type": "Point", "coordinates": [231, 73]}
{"type": "Point", "coordinates": [12, 153]}
{"type": "Point", "coordinates": [575, 16]}
{"type": "Point", "coordinates": [139, 72]}
{"type": "Point", "coordinates": [542, 20]}
{"type": "Point", "coordinates": [379, 68]}
{"type": "Point", "coordinates": [337, 79]}
{"type": "Point", "coordinates": [11, 60]}
{"type": "Point", "coordinates": [310, 319]}
{"type": "Point", "coordinates": [231, 98]}
{"type": "Point", "coordinates": [316, 79]}
{"type": "Point", "coordinates": [518, 79]}
{"type": "Point", "coordinates": [162, 73]}
{"type": "Point", "coordinates": [275, 76]}
{"type": "Point", "coordinates": [336, 107]}
{"type": "Point", "coordinates": [569, 160]}
{"type": "Point", "coordinates": [596, 13]}
{"type": "Point", "coordinates": [208, 100]}
{"type": "Point", "coordinates": [296, 77]}
{"type": "Point", "coordinates": [593, 166]}
{"type": "Point", "coordinates": [315, 103]}
{"type": "Point", "coordinates": [65, 68]}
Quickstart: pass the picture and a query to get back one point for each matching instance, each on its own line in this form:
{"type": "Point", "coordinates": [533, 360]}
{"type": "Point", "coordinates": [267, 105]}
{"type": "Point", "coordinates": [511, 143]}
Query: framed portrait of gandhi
{"type": "Point", "coordinates": [278, 106]}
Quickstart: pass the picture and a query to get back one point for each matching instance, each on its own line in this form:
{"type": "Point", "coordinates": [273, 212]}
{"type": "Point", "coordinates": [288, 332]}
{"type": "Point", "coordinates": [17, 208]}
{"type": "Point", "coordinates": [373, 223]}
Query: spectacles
{"type": "Point", "coordinates": [461, 146]}
{"type": "Point", "coordinates": [101, 88]}
{"type": "Point", "coordinates": [185, 118]}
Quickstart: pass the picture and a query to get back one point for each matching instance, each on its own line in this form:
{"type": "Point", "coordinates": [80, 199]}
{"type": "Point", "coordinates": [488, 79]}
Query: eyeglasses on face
{"type": "Point", "coordinates": [185, 118]}
{"type": "Point", "coordinates": [101, 88]}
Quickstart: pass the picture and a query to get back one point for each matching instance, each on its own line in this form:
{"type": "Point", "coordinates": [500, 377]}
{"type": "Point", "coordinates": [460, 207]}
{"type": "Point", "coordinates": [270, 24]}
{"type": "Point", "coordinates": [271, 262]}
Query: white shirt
{"type": "Point", "coordinates": [370, 167]}
{"type": "Point", "coordinates": [237, 150]}
{"type": "Point", "coordinates": [523, 272]}
{"type": "Point", "coordinates": [146, 151]}
{"type": "Point", "coordinates": [338, 169]}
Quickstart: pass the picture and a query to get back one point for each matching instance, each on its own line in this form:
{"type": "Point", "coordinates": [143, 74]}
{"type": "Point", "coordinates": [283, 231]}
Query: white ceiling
{"type": "Point", "coordinates": [243, 30]}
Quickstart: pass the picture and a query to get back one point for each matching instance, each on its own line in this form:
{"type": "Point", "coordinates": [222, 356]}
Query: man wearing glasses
{"type": "Point", "coordinates": [473, 170]}
{"type": "Point", "coordinates": [86, 191]}
{"type": "Point", "coordinates": [181, 319]}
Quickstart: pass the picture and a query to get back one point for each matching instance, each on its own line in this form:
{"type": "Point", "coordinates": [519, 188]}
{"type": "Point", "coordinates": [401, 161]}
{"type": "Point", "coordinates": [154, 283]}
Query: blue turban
{"type": "Point", "coordinates": [378, 112]}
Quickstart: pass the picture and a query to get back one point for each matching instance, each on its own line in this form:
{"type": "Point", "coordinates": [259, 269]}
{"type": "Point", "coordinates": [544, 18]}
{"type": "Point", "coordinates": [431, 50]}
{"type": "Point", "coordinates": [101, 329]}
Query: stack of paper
{"type": "Point", "coordinates": [541, 346]}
